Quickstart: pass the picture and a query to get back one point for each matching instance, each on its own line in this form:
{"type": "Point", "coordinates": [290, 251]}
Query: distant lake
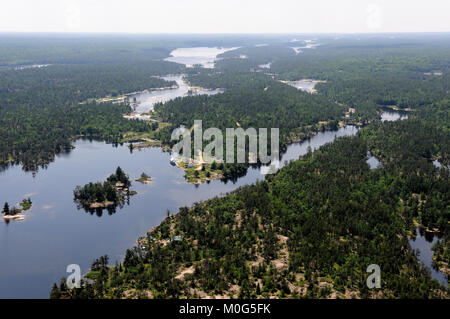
{"type": "Point", "coordinates": [204, 56]}
{"type": "Point", "coordinates": [303, 85]}
{"type": "Point", "coordinates": [390, 116]}
{"type": "Point", "coordinates": [373, 162]}
{"type": "Point", "coordinates": [147, 100]}
{"type": "Point", "coordinates": [265, 66]}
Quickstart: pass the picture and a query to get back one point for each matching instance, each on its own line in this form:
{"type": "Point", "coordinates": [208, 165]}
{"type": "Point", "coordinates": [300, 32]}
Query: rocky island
{"type": "Point", "coordinates": [14, 212]}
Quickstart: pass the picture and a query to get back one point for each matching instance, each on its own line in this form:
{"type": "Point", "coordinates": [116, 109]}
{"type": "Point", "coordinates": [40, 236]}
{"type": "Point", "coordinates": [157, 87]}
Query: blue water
{"type": "Point", "coordinates": [35, 252]}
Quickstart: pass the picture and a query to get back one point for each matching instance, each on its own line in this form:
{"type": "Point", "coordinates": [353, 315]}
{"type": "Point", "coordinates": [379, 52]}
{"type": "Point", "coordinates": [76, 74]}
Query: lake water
{"type": "Point", "coordinates": [147, 100]}
{"type": "Point", "coordinates": [265, 66]}
{"type": "Point", "coordinates": [373, 162]}
{"type": "Point", "coordinates": [308, 44]}
{"type": "Point", "coordinates": [304, 85]}
{"type": "Point", "coordinates": [388, 116]}
{"type": "Point", "coordinates": [203, 56]}
{"type": "Point", "coordinates": [31, 66]}
{"type": "Point", "coordinates": [437, 164]}
{"type": "Point", "coordinates": [35, 252]}
{"type": "Point", "coordinates": [424, 242]}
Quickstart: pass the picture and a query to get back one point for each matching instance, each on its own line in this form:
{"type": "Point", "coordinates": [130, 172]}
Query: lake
{"type": "Point", "coordinates": [35, 252]}
{"type": "Point", "coordinates": [204, 56]}
{"type": "Point", "coordinates": [147, 100]}
{"type": "Point", "coordinates": [424, 243]}
{"type": "Point", "coordinates": [388, 116]}
{"type": "Point", "coordinates": [373, 162]}
{"type": "Point", "coordinates": [304, 85]}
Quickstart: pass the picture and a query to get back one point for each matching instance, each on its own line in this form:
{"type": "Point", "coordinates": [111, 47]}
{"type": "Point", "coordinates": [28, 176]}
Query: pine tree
{"type": "Point", "coordinates": [6, 209]}
{"type": "Point", "coordinates": [258, 289]}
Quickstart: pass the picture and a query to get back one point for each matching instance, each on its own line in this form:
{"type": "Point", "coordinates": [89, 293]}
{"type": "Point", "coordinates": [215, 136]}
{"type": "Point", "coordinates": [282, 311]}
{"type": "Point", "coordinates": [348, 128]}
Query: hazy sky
{"type": "Point", "coordinates": [225, 16]}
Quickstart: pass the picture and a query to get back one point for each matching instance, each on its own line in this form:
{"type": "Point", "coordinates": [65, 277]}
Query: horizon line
{"type": "Point", "coordinates": [220, 33]}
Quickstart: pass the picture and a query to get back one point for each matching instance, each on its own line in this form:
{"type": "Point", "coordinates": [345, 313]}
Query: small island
{"type": "Point", "coordinates": [197, 173]}
{"type": "Point", "coordinates": [144, 179]}
{"type": "Point", "coordinates": [14, 212]}
{"type": "Point", "coordinates": [111, 193]}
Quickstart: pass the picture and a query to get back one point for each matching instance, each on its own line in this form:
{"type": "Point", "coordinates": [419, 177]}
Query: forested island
{"type": "Point", "coordinates": [111, 193]}
{"type": "Point", "coordinates": [15, 212]}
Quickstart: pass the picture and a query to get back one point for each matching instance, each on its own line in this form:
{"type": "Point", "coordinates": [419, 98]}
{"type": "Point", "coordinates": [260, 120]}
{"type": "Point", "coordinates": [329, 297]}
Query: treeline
{"type": "Point", "coordinates": [371, 74]}
{"type": "Point", "coordinates": [251, 57]}
{"type": "Point", "coordinates": [93, 49]}
{"type": "Point", "coordinates": [32, 136]}
{"type": "Point", "coordinates": [347, 60]}
{"type": "Point", "coordinates": [230, 80]}
{"type": "Point", "coordinates": [309, 231]}
{"type": "Point", "coordinates": [80, 82]}
{"type": "Point", "coordinates": [368, 95]}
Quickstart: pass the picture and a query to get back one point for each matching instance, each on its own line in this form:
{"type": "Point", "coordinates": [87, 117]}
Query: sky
{"type": "Point", "coordinates": [224, 16]}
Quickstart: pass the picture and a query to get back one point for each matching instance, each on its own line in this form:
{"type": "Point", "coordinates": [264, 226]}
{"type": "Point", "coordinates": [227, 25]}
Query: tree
{"type": "Point", "coordinates": [6, 209]}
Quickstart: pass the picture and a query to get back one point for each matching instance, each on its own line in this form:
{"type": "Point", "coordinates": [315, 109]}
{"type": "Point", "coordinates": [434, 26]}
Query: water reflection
{"type": "Point", "coordinates": [424, 242]}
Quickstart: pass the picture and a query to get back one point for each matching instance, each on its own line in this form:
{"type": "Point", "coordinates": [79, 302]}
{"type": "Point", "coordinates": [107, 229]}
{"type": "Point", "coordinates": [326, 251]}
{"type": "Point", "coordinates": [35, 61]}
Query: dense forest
{"type": "Point", "coordinates": [374, 73]}
{"type": "Point", "coordinates": [251, 58]}
{"type": "Point", "coordinates": [309, 231]}
{"type": "Point", "coordinates": [253, 101]}
{"type": "Point", "coordinates": [40, 110]}
{"type": "Point", "coordinates": [29, 49]}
